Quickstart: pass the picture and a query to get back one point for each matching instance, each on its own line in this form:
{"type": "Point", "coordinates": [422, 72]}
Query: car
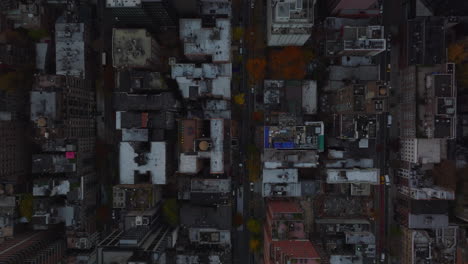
{"type": "Point", "coordinates": [382, 257]}
{"type": "Point", "coordinates": [240, 50]}
{"type": "Point", "coordinates": [251, 186]}
{"type": "Point", "coordinates": [389, 67]}
{"type": "Point", "coordinates": [387, 180]}
{"type": "Point", "coordinates": [389, 120]}
{"type": "Point", "coordinates": [241, 165]}
{"type": "Point", "coordinates": [252, 3]}
{"type": "Point", "coordinates": [252, 89]}
{"type": "Point", "coordinates": [389, 46]}
{"type": "Point", "coordinates": [389, 38]}
{"type": "Point", "coordinates": [233, 193]}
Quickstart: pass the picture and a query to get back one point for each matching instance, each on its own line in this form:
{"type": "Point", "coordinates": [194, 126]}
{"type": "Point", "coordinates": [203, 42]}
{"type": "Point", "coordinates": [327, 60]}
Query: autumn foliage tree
{"type": "Point", "coordinates": [256, 69]}
{"type": "Point", "coordinates": [457, 52]}
{"type": "Point", "coordinates": [289, 63]}
{"type": "Point", "coordinates": [254, 244]}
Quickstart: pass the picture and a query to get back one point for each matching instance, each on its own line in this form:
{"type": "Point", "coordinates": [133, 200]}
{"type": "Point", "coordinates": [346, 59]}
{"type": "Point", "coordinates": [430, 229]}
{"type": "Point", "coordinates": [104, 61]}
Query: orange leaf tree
{"type": "Point", "coordinates": [256, 69]}
{"type": "Point", "coordinates": [289, 63]}
{"type": "Point", "coordinates": [457, 53]}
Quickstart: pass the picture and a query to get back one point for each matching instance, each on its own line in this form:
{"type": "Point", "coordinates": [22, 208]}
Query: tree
{"type": "Point", "coordinates": [256, 69]}
{"type": "Point", "coordinates": [289, 63]}
{"type": "Point", "coordinates": [237, 33]}
{"type": "Point", "coordinates": [462, 75]}
{"type": "Point", "coordinates": [254, 245]}
{"type": "Point", "coordinates": [457, 52]}
{"type": "Point", "coordinates": [37, 33]}
{"type": "Point", "coordinates": [254, 226]}
{"type": "Point", "coordinates": [11, 81]}
{"type": "Point", "coordinates": [238, 220]}
{"type": "Point", "coordinates": [26, 206]}
{"type": "Point", "coordinates": [239, 99]}
{"type": "Point", "coordinates": [171, 212]}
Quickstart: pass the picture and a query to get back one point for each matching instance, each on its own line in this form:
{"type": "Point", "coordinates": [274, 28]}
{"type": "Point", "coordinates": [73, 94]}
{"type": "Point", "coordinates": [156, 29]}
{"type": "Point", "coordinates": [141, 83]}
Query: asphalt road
{"type": "Point", "coordinates": [392, 19]}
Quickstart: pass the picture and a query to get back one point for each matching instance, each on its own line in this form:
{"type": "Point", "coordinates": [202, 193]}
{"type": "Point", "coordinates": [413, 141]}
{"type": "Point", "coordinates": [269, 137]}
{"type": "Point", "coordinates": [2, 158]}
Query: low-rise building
{"type": "Point", "coordinates": [308, 136]}
{"type": "Point", "coordinates": [144, 163]}
{"type": "Point", "coordinates": [209, 80]}
{"type": "Point", "coordinates": [135, 48]}
{"type": "Point", "coordinates": [281, 183]}
{"type": "Point", "coordinates": [285, 236]}
{"type": "Point", "coordinates": [350, 40]}
{"type": "Point", "coordinates": [71, 49]}
{"type": "Point", "coordinates": [200, 42]}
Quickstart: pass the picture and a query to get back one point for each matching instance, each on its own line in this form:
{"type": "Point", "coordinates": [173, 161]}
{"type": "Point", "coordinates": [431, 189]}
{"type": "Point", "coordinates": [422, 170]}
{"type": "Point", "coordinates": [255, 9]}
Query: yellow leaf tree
{"type": "Point", "coordinates": [239, 99]}
{"type": "Point", "coordinates": [254, 245]}
{"type": "Point", "coordinates": [254, 226]}
{"type": "Point", "coordinates": [237, 33]}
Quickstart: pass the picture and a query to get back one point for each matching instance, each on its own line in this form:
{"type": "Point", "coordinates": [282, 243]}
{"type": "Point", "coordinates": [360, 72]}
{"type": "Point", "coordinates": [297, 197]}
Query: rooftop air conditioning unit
{"type": "Point", "coordinates": [138, 220]}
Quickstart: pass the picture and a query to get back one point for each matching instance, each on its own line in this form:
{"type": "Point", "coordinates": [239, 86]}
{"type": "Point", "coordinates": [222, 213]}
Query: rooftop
{"type": "Point", "coordinates": [123, 3]}
{"type": "Point", "coordinates": [370, 176]}
{"type": "Point", "coordinates": [309, 136]}
{"type": "Point", "coordinates": [52, 163]}
{"type": "Point", "coordinates": [143, 162]}
{"type": "Point", "coordinates": [208, 147]}
{"type": "Point", "coordinates": [283, 207]}
{"type": "Point", "coordinates": [209, 80]}
{"type": "Point", "coordinates": [132, 48]}
{"type": "Point", "coordinates": [295, 249]}
{"type": "Point", "coordinates": [199, 41]}
{"type": "Point", "coordinates": [216, 7]}
{"type": "Point", "coordinates": [280, 176]}
{"type": "Point", "coordinates": [210, 185]}
{"type": "Point", "coordinates": [145, 102]}
{"type": "Point", "coordinates": [204, 216]}
{"type": "Point", "coordinates": [135, 81]}
{"type": "Point", "coordinates": [295, 16]}
{"type": "Point", "coordinates": [44, 107]}
{"type": "Point", "coordinates": [276, 159]}
{"type": "Point", "coordinates": [70, 50]}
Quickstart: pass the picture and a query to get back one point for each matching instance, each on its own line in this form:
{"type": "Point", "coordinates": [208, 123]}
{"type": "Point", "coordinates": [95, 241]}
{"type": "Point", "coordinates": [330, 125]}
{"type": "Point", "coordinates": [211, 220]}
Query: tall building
{"type": "Point", "coordinates": [428, 102]}
{"type": "Point", "coordinates": [14, 162]}
{"type": "Point", "coordinates": [71, 56]}
{"type": "Point", "coordinates": [289, 22]}
{"type": "Point", "coordinates": [34, 247]}
{"type": "Point", "coordinates": [156, 15]}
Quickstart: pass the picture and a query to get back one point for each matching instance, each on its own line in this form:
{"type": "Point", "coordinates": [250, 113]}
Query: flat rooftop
{"type": "Point", "coordinates": [199, 41]}
{"type": "Point", "coordinates": [70, 49]}
{"type": "Point", "coordinates": [148, 158]}
{"type": "Point", "coordinates": [131, 48]}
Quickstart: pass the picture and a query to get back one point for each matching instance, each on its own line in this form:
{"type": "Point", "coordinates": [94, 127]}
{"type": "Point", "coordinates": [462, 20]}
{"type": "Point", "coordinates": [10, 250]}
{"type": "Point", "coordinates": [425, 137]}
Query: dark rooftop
{"type": "Point", "coordinates": [204, 216]}
{"type": "Point", "coordinates": [150, 102]}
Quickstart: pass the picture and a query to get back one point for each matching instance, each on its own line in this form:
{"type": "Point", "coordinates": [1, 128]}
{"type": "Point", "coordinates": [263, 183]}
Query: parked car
{"type": "Point", "coordinates": [251, 186]}
{"type": "Point", "coordinates": [389, 120]}
{"type": "Point", "coordinates": [387, 180]}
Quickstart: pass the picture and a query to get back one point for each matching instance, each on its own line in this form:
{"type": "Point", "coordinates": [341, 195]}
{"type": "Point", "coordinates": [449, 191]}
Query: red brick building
{"type": "Point", "coordinates": [284, 235]}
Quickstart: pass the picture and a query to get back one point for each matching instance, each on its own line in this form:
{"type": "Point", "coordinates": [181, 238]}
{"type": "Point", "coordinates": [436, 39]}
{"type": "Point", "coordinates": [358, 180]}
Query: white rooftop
{"type": "Point", "coordinates": [123, 3]}
{"type": "Point", "coordinates": [210, 79]}
{"type": "Point", "coordinates": [370, 176]}
{"type": "Point", "coordinates": [309, 97]}
{"type": "Point", "coordinates": [155, 162]}
{"type": "Point", "coordinates": [217, 149]}
{"type": "Point", "coordinates": [288, 190]}
{"type": "Point", "coordinates": [70, 49]}
{"type": "Point", "coordinates": [280, 175]}
{"type": "Point", "coordinates": [199, 41]}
